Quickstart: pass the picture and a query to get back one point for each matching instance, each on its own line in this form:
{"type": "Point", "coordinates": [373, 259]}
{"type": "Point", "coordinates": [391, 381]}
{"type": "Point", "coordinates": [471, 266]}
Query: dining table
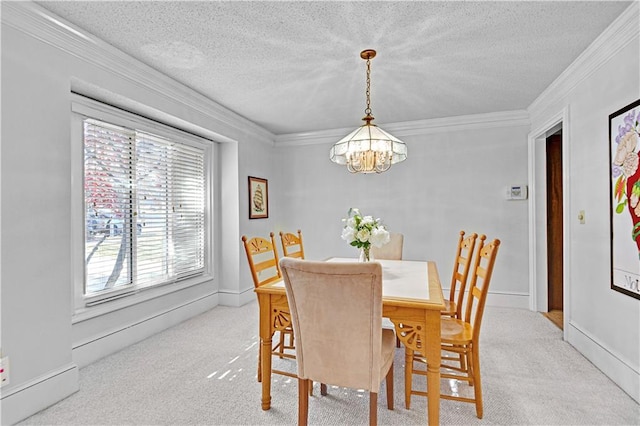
{"type": "Point", "coordinates": [411, 299]}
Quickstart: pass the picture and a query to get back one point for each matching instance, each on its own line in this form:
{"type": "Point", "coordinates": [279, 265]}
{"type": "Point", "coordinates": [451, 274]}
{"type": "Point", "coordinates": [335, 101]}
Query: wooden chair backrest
{"type": "Point", "coordinates": [290, 242]}
{"type": "Point", "coordinates": [263, 260]}
{"type": "Point", "coordinates": [479, 286]}
{"type": "Point", "coordinates": [461, 266]}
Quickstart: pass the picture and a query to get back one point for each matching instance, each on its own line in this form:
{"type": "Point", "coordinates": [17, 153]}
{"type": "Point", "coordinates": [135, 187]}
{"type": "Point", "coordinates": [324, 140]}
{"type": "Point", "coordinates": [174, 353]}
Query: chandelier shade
{"type": "Point", "coordinates": [368, 149]}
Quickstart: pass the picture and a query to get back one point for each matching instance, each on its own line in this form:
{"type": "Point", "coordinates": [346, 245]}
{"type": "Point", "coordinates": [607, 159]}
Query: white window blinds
{"type": "Point", "coordinates": [144, 208]}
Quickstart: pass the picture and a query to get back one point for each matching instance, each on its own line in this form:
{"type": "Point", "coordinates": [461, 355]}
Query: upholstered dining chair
{"type": "Point", "coordinates": [292, 245]}
{"type": "Point", "coordinates": [461, 337]}
{"type": "Point", "coordinates": [262, 256]}
{"type": "Point", "coordinates": [461, 265]}
{"type": "Point", "coordinates": [336, 311]}
{"type": "Point", "coordinates": [390, 251]}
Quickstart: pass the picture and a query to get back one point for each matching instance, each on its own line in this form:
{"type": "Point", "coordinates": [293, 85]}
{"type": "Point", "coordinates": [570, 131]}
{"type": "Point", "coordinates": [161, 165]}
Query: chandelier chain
{"type": "Point", "coordinates": [367, 110]}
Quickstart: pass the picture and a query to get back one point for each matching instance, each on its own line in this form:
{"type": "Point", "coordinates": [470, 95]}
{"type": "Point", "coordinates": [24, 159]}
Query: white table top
{"type": "Point", "coordinates": [402, 279]}
{"type": "Point", "coordinates": [406, 279]}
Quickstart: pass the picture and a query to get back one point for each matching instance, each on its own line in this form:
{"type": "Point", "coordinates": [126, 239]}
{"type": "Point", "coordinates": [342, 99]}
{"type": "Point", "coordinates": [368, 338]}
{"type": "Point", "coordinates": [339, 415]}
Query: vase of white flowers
{"type": "Point", "coordinates": [363, 232]}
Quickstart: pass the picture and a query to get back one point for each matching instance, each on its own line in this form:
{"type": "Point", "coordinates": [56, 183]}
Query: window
{"type": "Point", "coordinates": [145, 208]}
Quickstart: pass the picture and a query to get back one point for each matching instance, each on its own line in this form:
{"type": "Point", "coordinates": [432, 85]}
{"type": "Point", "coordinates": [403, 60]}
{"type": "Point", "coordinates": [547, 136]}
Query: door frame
{"type": "Point", "coordinates": [538, 291]}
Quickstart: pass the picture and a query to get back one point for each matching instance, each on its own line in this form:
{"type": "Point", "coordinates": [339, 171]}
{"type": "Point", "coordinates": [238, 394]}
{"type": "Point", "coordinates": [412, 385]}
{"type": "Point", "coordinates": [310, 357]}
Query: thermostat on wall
{"type": "Point", "coordinates": [517, 192]}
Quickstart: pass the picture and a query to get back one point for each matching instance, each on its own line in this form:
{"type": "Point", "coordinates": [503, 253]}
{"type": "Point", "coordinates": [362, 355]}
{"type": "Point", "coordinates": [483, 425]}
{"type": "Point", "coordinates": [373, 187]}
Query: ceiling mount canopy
{"type": "Point", "coordinates": [368, 149]}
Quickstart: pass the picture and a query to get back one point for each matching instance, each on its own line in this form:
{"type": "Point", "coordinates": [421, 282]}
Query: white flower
{"type": "Point", "coordinates": [367, 220]}
{"type": "Point", "coordinates": [363, 235]}
{"type": "Point", "coordinates": [348, 234]}
{"type": "Point", "coordinates": [379, 236]}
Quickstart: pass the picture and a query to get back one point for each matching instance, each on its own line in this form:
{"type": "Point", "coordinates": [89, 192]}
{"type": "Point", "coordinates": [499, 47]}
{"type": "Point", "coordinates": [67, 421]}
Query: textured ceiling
{"type": "Point", "coordinates": [295, 66]}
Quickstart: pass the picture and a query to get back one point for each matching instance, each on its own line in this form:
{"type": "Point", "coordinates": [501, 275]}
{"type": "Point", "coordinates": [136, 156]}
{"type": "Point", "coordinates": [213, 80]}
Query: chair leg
{"type": "Point", "coordinates": [323, 388]}
{"type": "Point", "coordinates": [464, 361]}
{"type": "Point", "coordinates": [303, 401]}
{"type": "Point", "coordinates": [390, 388]}
{"type": "Point", "coordinates": [408, 373]}
{"type": "Point", "coordinates": [470, 368]}
{"type": "Point", "coordinates": [373, 408]}
{"type": "Point", "coordinates": [477, 391]}
{"type": "Point", "coordinates": [281, 345]}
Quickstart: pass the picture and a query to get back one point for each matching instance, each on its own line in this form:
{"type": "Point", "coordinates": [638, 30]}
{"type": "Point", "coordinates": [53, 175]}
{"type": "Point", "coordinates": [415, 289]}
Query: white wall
{"type": "Point", "coordinates": [45, 341]}
{"type": "Point", "coordinates": [36, 274]}
{"type": "Point", "coordinates": [455, 178]}
{"type": "Point", "coordinates": [599, 322]}
{"type": "Point", "coordinates": [257, 160]}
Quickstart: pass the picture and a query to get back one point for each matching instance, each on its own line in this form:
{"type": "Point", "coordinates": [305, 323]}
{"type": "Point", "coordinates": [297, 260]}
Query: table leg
{"type": "Point", "coordinates": [265, 349]}
{"type": "Point", "coordinates": [266, 333]}
{"type": "Point", "coordinates": [408, 376]}
{"type": "Point", "coordinates": [431, 339]}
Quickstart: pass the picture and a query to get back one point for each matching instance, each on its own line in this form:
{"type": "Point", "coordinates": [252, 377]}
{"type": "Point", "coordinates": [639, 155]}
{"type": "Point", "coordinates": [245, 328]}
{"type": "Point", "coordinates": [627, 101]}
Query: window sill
{"type": "Point", "coordinates": [86, 313]}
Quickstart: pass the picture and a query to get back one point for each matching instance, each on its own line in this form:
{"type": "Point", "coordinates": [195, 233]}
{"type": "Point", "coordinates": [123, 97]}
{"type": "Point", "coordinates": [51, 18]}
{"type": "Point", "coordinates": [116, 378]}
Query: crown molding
{"type": "Point", "coordinates": [49, 28]}
{"type": "Point", "coordinates": [418, 127]}
{"type": "Point", "coordinates": [615, 37]}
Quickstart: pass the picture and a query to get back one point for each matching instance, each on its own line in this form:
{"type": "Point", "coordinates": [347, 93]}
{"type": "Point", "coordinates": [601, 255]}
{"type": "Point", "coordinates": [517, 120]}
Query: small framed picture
{"type": "Point", "coordinates": [258, 198]}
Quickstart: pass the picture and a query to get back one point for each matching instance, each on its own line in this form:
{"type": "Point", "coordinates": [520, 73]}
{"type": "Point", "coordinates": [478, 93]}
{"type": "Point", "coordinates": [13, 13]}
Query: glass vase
{"type": "Point", "coordinates": [366, 255]}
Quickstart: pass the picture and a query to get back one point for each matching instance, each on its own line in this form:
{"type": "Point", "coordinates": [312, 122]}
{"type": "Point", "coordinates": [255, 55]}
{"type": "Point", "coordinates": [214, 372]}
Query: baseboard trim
{"type": "Point", "coordinates": [503, 300]}
{"type": "Point", "coordinates": [508, 300]}
{"type": "Point", "coordinates": [99, 346]}
{"type": "Point", "coordinates": [236, 299]}
{"type": "Point", "coordinates": [620, 371]}
{"type": "Point", "coordinates": [29, 398]}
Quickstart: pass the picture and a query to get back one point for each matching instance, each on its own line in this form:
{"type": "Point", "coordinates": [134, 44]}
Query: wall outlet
{"type": "Point", "coordinates": [4, 371]}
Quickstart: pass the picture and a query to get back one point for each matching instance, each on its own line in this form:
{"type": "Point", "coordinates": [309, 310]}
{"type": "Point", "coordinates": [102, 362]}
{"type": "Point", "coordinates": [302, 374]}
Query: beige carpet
{"type": "Point", "coordinates": [203, 372]}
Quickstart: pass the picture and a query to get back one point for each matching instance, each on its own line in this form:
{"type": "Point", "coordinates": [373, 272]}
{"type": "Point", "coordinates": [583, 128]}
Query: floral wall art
{"type": "Point", "coordinates": [624, 140]}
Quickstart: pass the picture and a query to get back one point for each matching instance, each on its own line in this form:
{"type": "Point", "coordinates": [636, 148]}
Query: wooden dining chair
{"type": "Point", "coordinates": [336, 310]}
{"type": "Point", "coordinates": [390, 251]}
{"type": "Point", "coordinates": [461, 266]}
{"type": "Point", "coordinates": [291, 242]}
{"type": "Point", "coordinates": [461, 337]}
{"type": "Point", "coordinates": [262, 256]}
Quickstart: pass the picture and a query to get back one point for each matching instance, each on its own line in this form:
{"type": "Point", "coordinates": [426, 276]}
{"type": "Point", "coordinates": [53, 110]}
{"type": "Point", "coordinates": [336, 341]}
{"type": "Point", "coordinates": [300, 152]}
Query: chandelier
{"type": "Point", "coordinates": [368, 149]}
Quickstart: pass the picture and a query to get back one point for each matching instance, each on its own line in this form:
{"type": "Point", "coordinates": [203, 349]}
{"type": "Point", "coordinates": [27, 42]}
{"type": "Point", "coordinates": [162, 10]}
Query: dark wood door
{"type": "Point", "coordinates": [554, 221]}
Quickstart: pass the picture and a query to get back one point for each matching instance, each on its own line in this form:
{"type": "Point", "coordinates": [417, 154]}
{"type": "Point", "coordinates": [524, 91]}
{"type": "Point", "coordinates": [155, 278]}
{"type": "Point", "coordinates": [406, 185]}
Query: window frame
{"type": "Point", "coordinates": [85, 307]}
